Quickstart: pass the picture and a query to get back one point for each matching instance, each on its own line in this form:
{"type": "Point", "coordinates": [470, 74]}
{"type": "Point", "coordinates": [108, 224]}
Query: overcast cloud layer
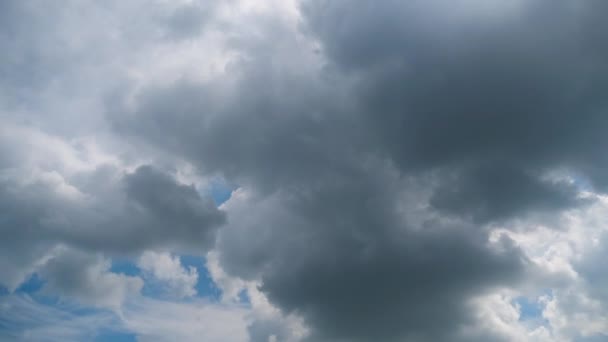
{"type": "Point", "coordinates": [399, 170]}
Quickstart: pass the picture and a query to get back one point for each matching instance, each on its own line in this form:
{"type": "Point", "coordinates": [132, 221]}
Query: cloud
{"type": "Point", "coordinates": [145, 209]}
{"type": "Point", "coordinates": [362, 279]}
{"type": "Point", "coordinates": [406, 171]}
{"type": "Point", "coordinates": [168, 270]}
{"type": "Point", "coordinates": [25, 319]}
{"type": "Point", "coordinates": [87, 279]}
{"type": "Point", "coordinates": [173, 209]}
{"type": "Point", "coordinates": [54, 196]}
{"type": "Point", "coordinates": [265, 321]}
{"type": "Point", "coordinates": [445, 88]}
{"type": "Point", "coordinates": [494, 192]}
{"type": "Point", "coordinates": [568, 287]}
{"type": "Point", "coordinates": [471, 112]}
{"type": "Point", "coordinates": [155, 320]}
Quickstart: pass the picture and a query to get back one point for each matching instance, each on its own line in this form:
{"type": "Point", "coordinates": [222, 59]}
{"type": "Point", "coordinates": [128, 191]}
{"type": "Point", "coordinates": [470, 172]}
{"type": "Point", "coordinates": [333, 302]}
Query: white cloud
{"type": "Point", "coordinates": [150, 320]}
{"type": "Point", "coordinates": [199, 320]}
{"type": "Point", "coordinates": [566, 254]}
{"type": "Point", "coordinates": [496, 314]}
{"type": "Point", "coordinates": [230, 286]}
{"type": "Point", "coordinates": [168, 270]}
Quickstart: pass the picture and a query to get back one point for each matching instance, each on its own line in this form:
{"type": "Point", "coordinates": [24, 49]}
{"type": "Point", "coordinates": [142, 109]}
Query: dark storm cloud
{"type": "Point", "coordinates": [497, 191]}
{"type": "Point", "coordinates": [391, 290]}
{"type": "Point", "coordinates": [343, 258]}
{"type": "Point", "coordinates": [475, 106]}
{"type": "Point", "coordinates": [451, 86]}
{"type": "Point", "coordinates": [319, 247]}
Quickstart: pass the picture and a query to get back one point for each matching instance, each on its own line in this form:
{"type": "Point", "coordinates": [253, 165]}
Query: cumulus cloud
{"type": "Point", "coordinates": [574, 302]}
{"type": "Point", "coordinates": [76, 275]}
{"type": "Point", "coordinates": [405, 171]}
{"type": "Point", "coordinates": [168, 270]}
{"type": "Point", "coordinates": [360, 281]}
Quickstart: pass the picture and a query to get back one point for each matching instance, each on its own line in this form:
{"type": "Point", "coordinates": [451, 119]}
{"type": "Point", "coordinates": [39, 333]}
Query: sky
{"type": "Point", "coordinates": [303, 170]}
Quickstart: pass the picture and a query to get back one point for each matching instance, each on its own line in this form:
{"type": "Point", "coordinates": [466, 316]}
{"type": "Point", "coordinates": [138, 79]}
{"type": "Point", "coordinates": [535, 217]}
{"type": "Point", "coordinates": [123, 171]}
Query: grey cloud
{"type": "Point", "coordinates": [476, 110]}
{"type": "Point", "coordinates": [372, 164]}
{"type": "Point", "coordinates": [341, 256]}
{"type": "Point", "coordinates": [57, 62]}
{"type": "Point", "coordinates": [264, 330]}
{"type": "Point", "coordinates": [391, 292]}
{"type": "Point", "coordinates": [145, 209]}
{"type": "Point", "coordinates": [27, 60]}
{"type": "Point", "coordinates": [519, 91]}
{"type": "Point", "coordinates": [24, 245]}
{"type": "Point", "coordinates": [590, 268]}
{"type": "Point", "coordinates": [466, 94]}
{"type": "Point", "coordinates": [76, 275]}
{"type": "Point", "coordinates": [445, 87]}
{"type": "Point", "coordinates": [188, 21]}
{"type": "Point", "coordinates": [242, 131]}
{"type": "Point", "coordinates": [174, 210]}
{"type": "Point", "coordinates": [500, 191]}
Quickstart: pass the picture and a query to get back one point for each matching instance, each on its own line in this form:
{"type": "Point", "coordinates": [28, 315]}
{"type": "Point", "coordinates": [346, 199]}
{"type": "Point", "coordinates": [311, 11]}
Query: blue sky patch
{"type": "Point", "coordinates": [220, 191]}
{"type": "Point", "coordinates": [530, 309]}
{"type": "Point", "coordinates": [205, 286]}
{"type": "Point", "coordinates": [115, 336]}
{"type": "Point", "coordinates": [244, 297]}
{"type": "Point", "coordinates": [124, 266]}
{"type": "Point", "coordinates": [33, 284]}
